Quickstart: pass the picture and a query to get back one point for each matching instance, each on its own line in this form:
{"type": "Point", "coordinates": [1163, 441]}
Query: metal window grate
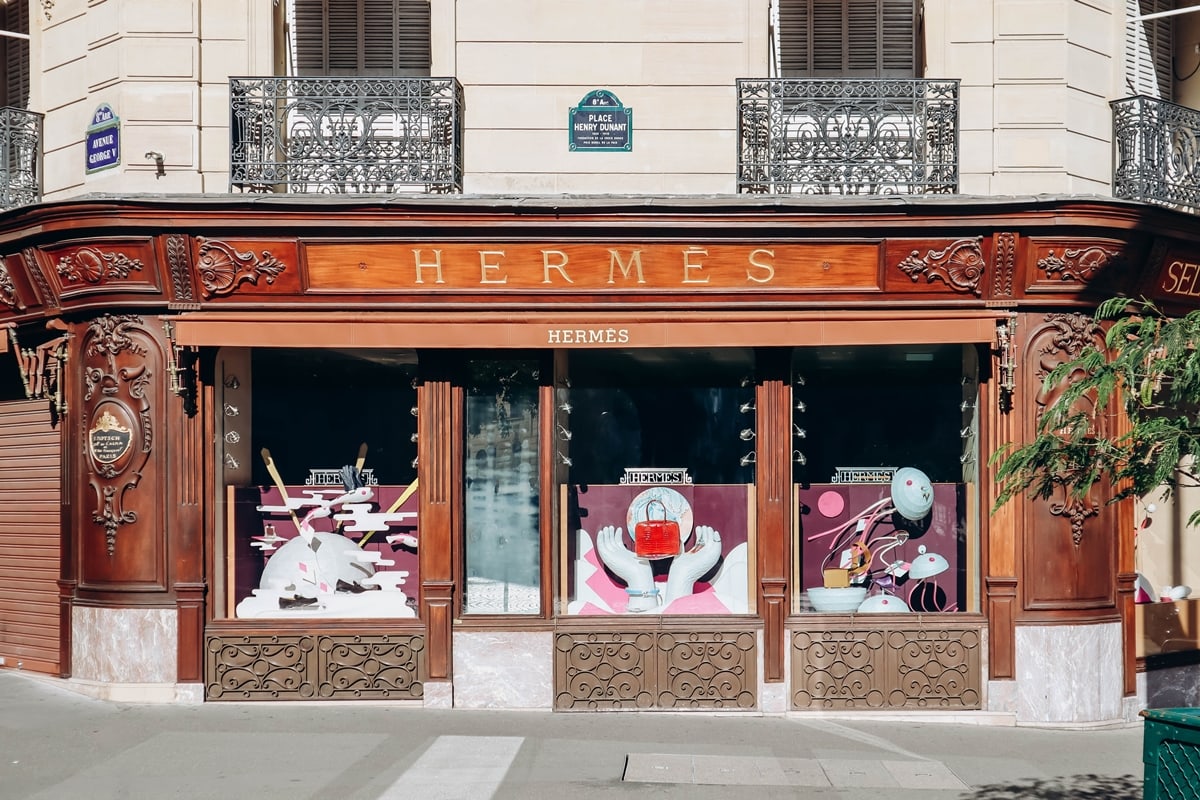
{"type": "Point", "coordinates": [21, 148]}
{"type": "Point", "coordinates": [346, 135]}
{"type": "Point", "coordinates": [1156, 152]}
{"type": "Point", "coordinates": [848, 137]}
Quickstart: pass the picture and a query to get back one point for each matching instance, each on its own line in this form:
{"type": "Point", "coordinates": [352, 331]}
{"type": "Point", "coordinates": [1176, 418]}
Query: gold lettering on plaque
{"type": "Point", "coordinates": [109, 439]}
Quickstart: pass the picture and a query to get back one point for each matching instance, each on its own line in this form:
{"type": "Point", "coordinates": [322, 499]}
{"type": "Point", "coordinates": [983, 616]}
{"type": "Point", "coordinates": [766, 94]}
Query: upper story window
{"type": "Point", "coordinates": [1149, 47]}
{"type": "Point", "coordinates": [361, 37]}
{"type": "Point", "coordinates": [14, 17]}
{"type": "Point", "coordinates": [848, 38]}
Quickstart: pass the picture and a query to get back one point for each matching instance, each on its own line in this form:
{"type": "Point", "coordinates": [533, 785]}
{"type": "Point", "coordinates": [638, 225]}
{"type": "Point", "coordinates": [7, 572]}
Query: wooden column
{"type": "Point", "coordinates": [999, 422]}
{"type": "Point", "coordinates": [435, 415]}
{"type": "Point", "coordinates": [773, 487]}
{"type": "Point", "coordinates": [189, 457]}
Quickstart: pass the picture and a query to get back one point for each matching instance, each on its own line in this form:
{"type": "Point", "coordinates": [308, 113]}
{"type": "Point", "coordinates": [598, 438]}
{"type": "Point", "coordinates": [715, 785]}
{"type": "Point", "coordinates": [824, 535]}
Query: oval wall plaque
{"type": "Point", "coordinates": [109, 440]}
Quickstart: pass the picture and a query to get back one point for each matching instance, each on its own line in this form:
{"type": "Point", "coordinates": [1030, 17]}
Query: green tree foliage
{"type": "Point", "coordinates": [1150, 363]}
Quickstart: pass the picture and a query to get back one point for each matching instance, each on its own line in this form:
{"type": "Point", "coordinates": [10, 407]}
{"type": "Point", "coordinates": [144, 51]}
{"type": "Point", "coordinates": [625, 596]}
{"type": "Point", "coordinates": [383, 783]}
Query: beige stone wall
{"type": "Point", "coordinates": [163, 67]}
{"type": "Point", "coordinates": [1037, 76]}
{"type": "Point", "coordinates": [525, 63]}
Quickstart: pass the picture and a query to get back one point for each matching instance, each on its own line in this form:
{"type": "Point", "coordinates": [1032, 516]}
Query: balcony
{"type": "Point", "coordinates": [1156, 152]}
{"type": "Point", "coordinates": [21, 148]}
{"type": "Point", "coordinates": [346, 135]}
{"type": "Point", "coordinates": [847, 137]}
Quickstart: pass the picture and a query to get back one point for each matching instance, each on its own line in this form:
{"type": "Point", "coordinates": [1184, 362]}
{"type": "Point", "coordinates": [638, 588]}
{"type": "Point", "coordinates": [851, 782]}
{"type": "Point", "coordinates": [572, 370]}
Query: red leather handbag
{"type": "Point", "coordinates": [656, 538]}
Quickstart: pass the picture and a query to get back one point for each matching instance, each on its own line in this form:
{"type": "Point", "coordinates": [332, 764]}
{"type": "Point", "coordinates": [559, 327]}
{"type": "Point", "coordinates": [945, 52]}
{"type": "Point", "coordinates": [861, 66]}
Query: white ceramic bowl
{"type": "Point", "coordinates": [835, 601]}
{"type": "Point", "coordinates": [883, 603]}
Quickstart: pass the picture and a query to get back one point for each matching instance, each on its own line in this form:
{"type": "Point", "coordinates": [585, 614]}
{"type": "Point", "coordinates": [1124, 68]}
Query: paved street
{"type": "Point", "coordinates": [56, 744]}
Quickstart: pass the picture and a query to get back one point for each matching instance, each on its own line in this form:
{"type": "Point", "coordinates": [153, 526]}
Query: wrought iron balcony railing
{"type": "Point", "coordinates": [1156, 152]}
{"type": "Point", "coordinates": [848, 136]}
{"type": "Point", "coordinates": [21, 149]}
{"type": "Point", "coordinates": [345, 135]}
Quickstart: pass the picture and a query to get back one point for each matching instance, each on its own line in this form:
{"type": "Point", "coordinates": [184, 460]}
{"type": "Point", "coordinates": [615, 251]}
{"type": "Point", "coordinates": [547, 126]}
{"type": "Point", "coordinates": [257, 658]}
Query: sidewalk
{"type": "Point", "coordinates": [56, 744]}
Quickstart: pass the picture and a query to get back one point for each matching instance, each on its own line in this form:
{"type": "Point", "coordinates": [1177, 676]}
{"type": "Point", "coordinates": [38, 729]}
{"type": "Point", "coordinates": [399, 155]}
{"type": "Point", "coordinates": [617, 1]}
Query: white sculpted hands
{"type": "Point", "coordinates": [685, 570]}
{"type": "Point", "coordinates": [636, 572]}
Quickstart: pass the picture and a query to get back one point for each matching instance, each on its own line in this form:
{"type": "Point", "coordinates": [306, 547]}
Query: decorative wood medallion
{"type": "Point", "coordinates": [1004, 264]}
{"type": "Point", "coordinates": [960, 265]}
{"type": "Point", "coordinates": [8, 290]}
{"type": "Point", "coordinates": [29, 256]}
{"type": "Point", "coordinates": [223, 268]}
{"type": "Point", "coordinates": [1067, 335]}
{"type": "Point", "coordinates": [1079, 264]}
{"type": "Point", "coordinates": [121, 435]}
{"type": "Point", "coordinates": [179, 263]}
{"type": "Point", "coordinates": [94, 266]}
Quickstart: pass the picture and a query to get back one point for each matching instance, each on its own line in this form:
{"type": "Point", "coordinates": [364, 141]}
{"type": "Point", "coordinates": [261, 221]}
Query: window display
{"type": "Point", "coordinates": [656, 492]}
{"type": "Point", "coordinates": [890, 533]}
{"type": "Point", "coordinates": [321, 493]}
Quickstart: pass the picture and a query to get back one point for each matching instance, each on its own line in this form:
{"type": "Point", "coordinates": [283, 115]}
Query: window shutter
{"type": "Point", "coordinates": [848, 38]}
{"type": "Point", "coordinates": [794, 37]}
{"type": "Point", "coordinates": [1149, 46]}
{"type": "Point", "coordinates": [16, 56]}
{"type": "Point", "coordinates": [362, 37]}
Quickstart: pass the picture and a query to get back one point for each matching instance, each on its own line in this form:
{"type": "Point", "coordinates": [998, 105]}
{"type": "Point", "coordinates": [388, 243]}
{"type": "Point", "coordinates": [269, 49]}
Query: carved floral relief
{"type": "Point", "coordinates": [960, 265]}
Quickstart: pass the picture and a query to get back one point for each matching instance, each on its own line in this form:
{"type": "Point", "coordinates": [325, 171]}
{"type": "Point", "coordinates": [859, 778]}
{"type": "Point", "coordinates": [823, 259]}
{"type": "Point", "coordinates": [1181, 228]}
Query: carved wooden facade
{"type": "Point", "coordinates": [139, 407]}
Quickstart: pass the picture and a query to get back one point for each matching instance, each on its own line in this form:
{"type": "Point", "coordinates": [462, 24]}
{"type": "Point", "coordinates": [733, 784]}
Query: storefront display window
{"type": "Point", "coordinates": [656, 487]}
{"type": "Point", "coordinates": [317, 453]}
{"type": "Point", "coordinates": [884, 472]}
{"type": "Point", "coordinates": [503, 547]}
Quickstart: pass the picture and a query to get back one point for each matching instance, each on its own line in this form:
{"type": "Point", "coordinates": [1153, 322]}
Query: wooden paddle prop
{"type": "Point", "coordinates": [274, 473]}
{"type": "Point", "coordinates": [407, 493]}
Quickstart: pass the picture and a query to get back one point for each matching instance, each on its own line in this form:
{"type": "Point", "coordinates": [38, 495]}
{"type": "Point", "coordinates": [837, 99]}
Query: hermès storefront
{"type": "Point", "coordinates": [579, 453]}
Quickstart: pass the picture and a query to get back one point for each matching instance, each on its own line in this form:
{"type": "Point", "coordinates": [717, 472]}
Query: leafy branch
{"type": "Point", "coordinates": [1150, 364]}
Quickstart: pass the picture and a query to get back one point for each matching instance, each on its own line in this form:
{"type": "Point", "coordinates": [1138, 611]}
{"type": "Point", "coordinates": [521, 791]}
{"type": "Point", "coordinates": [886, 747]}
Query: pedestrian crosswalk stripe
{"type": "Point", "coordinates": [454, 767]}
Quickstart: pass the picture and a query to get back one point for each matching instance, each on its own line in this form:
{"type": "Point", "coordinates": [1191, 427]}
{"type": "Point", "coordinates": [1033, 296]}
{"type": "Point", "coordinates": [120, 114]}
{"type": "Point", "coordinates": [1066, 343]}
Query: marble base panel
{"type": "Point", "coordinates": [437, 694]}
{"type": "Point", "coordinates": [773, 697]}
{"type": "Point", "coordinates": [1002, 696]}
{"type": "Point", "coordinates": [1069, 675]}
{"type": "Point", "coordinates": [503, 670]}
{"type": "Point", "coordinates": [124, 645]}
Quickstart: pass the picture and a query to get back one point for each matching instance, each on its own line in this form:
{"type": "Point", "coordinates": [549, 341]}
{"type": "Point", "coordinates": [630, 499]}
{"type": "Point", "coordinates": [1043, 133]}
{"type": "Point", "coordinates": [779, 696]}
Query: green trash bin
{"type": "Point", "coordinates": [1171, 753]}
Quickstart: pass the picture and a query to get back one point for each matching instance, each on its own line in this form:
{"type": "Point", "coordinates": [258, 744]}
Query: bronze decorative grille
{"type": "Point", "coordinates": [21, 145]}
{"type": "Point", "coordinates": [336, 135]}
{"type": "Point", "coordinates": [847, 137]}
{"type": "Point", "coordinates": [300, 666]}
{"type": "Point", "coordinates": [655, 669]}
{"type": "Point", "coordinates": [901, 663]}
{"type": "Point", "coordinates": [1156, 152]}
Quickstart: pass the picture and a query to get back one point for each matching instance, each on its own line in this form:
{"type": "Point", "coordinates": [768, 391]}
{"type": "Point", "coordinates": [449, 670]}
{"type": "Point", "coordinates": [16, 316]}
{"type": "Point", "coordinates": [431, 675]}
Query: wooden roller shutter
{"type": "Point", "coordinates": [848, 38]}
{"type": "Point", "coordinates": [30, 452]}
{"type": "Point", "coordinates": [362, 37]}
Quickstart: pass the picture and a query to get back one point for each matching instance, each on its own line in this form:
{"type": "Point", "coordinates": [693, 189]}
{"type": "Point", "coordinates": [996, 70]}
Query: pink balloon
{"type": "Point", "coordinates": [831, 503]}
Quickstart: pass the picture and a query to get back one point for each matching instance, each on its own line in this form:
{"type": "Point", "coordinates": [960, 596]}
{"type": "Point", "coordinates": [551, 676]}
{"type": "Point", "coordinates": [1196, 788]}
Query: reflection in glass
{"type": "Point", "coordinates": [503, 547]}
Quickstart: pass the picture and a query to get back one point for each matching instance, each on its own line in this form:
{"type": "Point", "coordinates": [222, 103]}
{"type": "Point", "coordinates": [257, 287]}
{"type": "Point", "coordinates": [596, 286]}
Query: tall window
{"type": "Point", "coordinates": [848, 38]}
{"type": "Point", "coordinates": [361, 37]}
{"type": "Point", "coordinates": [1148, 49]}
{"type": "Point", "coordinates": [14, 17]}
